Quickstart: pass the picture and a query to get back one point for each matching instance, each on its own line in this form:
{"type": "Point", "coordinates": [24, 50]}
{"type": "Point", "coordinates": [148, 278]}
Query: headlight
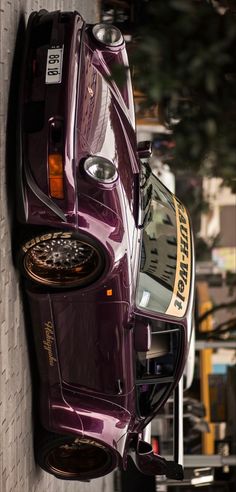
{"type": "Point", "coordinates": [101, 169]}
{"type": "Point", "coordinates": [107, 34]}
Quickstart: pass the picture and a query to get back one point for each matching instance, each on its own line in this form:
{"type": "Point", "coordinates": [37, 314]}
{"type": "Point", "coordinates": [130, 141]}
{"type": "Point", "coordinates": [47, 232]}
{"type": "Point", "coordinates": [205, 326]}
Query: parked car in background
{"type": "Point", "coordinates": [106, 253]}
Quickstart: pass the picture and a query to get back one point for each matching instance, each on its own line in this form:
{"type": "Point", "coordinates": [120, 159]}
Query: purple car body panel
{"type": "Point", "coordinates": [85, 337]}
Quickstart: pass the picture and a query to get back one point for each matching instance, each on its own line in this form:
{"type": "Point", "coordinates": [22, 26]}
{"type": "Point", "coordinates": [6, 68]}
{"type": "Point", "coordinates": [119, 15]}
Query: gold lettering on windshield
{"type": "Point", "coordinates": [48, 342]}
{"type": "Point", "coordinates": [179, 300]}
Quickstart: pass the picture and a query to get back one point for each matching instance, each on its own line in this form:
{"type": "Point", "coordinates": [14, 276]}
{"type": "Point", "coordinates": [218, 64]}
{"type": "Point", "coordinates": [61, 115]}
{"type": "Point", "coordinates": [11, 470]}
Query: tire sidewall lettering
{"type": "Point", "coordinates": [84, 440]}
{"type": "Point", "coordinates": [45, 237]}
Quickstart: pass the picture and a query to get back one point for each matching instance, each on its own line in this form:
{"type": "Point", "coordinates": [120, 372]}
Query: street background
{"type": "Point", "coordinates": [18, 470]}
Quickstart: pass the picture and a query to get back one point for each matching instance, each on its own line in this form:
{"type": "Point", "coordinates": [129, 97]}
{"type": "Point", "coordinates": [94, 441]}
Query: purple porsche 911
{"type": "Point", "coordinates": [106, 255]}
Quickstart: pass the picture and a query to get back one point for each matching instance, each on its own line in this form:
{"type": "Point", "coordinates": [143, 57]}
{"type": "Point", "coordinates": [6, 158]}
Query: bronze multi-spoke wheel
{"type": "Point", "coordinates": [61, 259]}
{"type": "Point", "coordinates": [73, 458]}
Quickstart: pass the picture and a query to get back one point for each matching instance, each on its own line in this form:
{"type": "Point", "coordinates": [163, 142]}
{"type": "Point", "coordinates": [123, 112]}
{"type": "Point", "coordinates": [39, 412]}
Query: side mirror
{"type": "Point", "coordinates": [142, 336]}
{"type": "Point", "coordinates": [144, 149]}
{"type": "Point", "coordinates": [150, 463]}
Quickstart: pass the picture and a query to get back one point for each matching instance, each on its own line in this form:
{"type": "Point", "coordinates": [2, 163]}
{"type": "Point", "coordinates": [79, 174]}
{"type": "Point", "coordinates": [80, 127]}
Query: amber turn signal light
{"type": "Point", "coordinates": [56, 181]}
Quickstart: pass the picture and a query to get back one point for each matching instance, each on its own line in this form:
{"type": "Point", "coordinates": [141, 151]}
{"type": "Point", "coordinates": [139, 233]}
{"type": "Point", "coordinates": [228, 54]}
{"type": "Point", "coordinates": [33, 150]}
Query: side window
{"type": "Point", "coordinates": [155, 369]}
{"type": "Point", "coordinates": [159, 360]}
{"type": "Point", "coordinates": [149, 396]}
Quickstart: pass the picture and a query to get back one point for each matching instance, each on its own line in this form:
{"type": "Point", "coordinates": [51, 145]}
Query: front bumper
{"type": "Point", "coordinates": [40, 104]}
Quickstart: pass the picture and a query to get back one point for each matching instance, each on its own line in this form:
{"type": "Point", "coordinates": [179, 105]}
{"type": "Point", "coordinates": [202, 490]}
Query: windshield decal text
{"type": "Point", "coordinates": [179, 301]}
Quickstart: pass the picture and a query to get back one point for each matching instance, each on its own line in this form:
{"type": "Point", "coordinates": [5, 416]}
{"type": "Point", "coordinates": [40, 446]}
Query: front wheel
{"type": "Point", "coordinates": [73, 458]}
{"type": "Point", "coordinates": [61, 259]}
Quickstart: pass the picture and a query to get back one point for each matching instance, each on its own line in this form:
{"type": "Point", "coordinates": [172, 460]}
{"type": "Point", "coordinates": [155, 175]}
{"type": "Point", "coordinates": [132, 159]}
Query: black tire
{"type": "Point", "coordinates": [73, 457]}
{"type": "Point", "coordinates": [61, 259]}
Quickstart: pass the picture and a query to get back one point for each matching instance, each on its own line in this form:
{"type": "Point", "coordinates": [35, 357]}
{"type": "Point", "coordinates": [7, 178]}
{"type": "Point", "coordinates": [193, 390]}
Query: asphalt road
{"type": "Point", "coordinates": [18, 470]}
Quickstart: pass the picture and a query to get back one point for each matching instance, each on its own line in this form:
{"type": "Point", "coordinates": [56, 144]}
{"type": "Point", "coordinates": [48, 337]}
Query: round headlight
{"type": "Point", "coordinates": [101, 169]}
{"type": "Point", "coordinates": [107, 34]}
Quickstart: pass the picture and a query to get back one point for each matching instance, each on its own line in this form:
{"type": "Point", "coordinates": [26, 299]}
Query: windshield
{"type": "Point", "coordinates": [164, 278]}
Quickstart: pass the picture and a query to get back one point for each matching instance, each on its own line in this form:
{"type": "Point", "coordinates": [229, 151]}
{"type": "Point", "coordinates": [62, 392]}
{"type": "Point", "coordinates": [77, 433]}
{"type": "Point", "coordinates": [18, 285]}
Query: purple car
{"type": "Point", "coordinates": [106, 252]}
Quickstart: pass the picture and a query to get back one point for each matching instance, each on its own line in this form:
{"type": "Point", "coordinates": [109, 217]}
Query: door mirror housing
{"type": "Point", "coordinates": [142, 336]}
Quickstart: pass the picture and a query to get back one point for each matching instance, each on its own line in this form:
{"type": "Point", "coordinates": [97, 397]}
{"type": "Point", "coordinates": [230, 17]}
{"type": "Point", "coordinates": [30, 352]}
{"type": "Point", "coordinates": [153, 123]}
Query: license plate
{"type": "Point", "coordinates": [54, 66]}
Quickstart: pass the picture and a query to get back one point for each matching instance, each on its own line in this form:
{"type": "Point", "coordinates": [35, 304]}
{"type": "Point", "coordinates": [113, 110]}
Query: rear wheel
{"type": "Point", "coordinates": [61, 259]}
{"type": "Point", "coordinates": [73, 457]}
